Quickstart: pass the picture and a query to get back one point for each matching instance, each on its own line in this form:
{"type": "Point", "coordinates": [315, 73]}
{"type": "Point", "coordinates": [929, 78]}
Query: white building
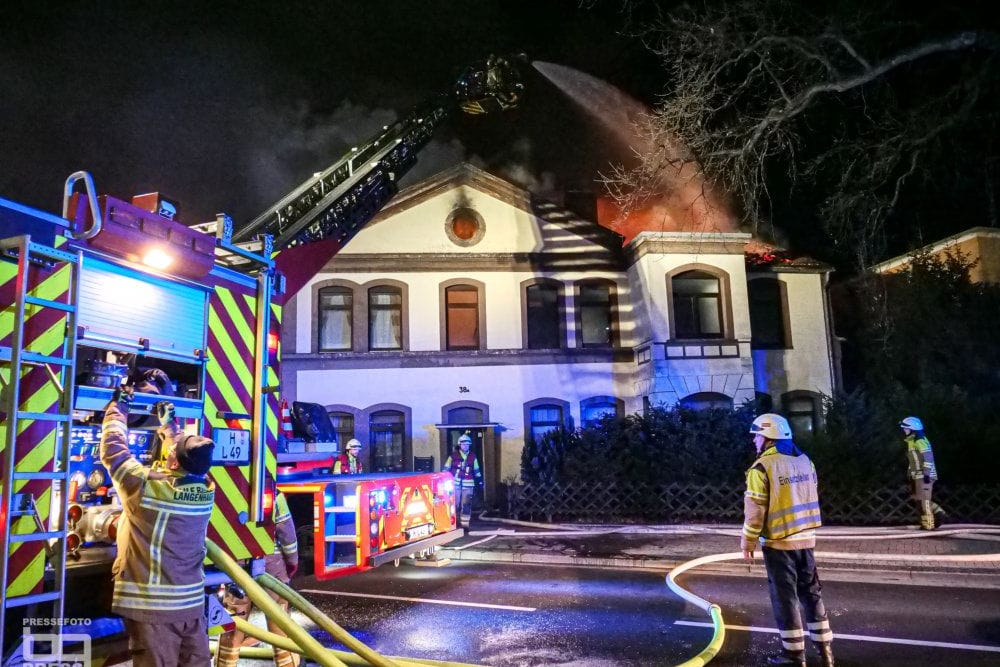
{"type": "Point", "coordinates": [468, 306]}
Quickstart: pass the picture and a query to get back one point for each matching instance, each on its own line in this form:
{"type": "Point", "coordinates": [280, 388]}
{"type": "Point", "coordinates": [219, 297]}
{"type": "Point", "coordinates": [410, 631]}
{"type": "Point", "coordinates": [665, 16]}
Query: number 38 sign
{"type": "Point", "coordinates": [232, 446]}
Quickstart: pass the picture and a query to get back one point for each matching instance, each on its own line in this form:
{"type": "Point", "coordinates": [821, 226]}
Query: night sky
{"type": "Point", "coordinates": [226, 106]}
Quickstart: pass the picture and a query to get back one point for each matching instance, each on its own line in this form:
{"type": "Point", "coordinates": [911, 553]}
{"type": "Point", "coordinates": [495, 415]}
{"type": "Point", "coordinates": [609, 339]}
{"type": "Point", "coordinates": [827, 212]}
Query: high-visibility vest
{"type": "Point", "coordinates": [921, 457]}
{"type": "Point", "coordinates": [793, 498]}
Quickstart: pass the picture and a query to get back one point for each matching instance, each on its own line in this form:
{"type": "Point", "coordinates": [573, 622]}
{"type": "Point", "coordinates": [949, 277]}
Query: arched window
{"type": "Point", "coordinates": [595, 314]}
{"type": "Point", "coordinates": [593, 410]}
{"type": "Point", "coordinates": [768, 311]}
{"type": "Point", "coordinates": [385, 318]}
{"type": "Point", "coordinates": [804, 410]}
{"type": "Point", "coordinates": [343, 424]}
{"type": "Point", "coordinates": [707, 400]}
{"type": "Point", "coordinates": [543, 316]}
{"type": "Point", "coordinates": [335, 318]}
{"type": "Point", "coordinates": [697, 303]}
{"type": "Point", "coordinates": [462, 317]}
{"type": "Point", "coordinates": [386, 430]}
{"type": "Point", "coordinates": [543, 415]}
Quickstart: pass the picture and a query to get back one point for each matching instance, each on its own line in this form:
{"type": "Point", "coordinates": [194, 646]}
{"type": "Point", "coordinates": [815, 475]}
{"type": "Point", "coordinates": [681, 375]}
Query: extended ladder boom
{"type": "Point", "coordinates": [337, 202]}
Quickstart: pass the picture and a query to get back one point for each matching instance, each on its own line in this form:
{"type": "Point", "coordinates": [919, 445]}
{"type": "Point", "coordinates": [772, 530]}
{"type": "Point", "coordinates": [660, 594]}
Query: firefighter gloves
{"type": "Point", "coordinates": [165, 412]}
{"type": "Point", "coordinates": [123, 397]}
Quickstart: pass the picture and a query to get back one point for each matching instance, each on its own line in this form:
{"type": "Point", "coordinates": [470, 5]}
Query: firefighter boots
{"type": "Point", "coordinates": [825, 654]}
{"type": "Point", "coordinates": [788, 659]}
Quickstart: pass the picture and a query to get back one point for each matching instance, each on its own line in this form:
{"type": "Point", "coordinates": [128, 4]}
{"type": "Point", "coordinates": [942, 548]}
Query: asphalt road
{"type": "Point", "coordinates": [516, 615]}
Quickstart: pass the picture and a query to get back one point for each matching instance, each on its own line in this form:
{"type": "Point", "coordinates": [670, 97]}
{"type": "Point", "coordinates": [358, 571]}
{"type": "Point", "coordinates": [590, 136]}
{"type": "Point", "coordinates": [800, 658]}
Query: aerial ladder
{"type": "Point", "coordinates": [43, 329]}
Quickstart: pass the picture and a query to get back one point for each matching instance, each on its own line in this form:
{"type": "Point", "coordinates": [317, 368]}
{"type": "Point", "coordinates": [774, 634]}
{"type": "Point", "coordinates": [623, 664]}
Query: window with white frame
{"type": "Point", "coordinates": [387, 430]}
{"type": "Point", "coordinates": [385, 318]}
{"type": "Point", "coordinates": [462, 317]}
{"type": "Point", "coordinates": [697, 305]}
{"type": "Point", "coordinates": [335, 309]}
{"type": "Point", "coordinates": [544, 418]}
{"type": "Point", "coordinates": [593, 410]}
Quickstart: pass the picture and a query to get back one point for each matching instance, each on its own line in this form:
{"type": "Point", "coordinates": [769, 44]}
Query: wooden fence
{"type": "Point", "coordinates": [679, 503]}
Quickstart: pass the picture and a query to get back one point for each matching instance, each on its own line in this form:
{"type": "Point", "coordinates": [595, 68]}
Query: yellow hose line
{"type": "Point", "coordinates": [323, 621]}
{"type": "Point", "coordinates": [714, 611]}
{"type": "Point", "coordinates": [295, 599]}
{"type": "Point", "coordinates": [272, 638]}
{"type": "Point", "coordinates": [271, 609]}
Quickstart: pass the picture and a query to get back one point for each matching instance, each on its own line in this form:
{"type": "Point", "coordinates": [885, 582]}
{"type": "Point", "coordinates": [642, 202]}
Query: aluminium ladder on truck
{"type": "Point", "coordinates": [37, 371]}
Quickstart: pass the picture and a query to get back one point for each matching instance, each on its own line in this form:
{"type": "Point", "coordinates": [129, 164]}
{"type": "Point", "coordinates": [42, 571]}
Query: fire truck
{"type": "Point", "coordinates": [114, 288]}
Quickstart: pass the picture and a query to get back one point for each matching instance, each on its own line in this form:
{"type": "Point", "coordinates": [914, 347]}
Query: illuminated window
{"type": "Point", "coordinates": [594, 307]}
{"type": "Point", "coordinates": [593, 410]}
{"type": "Point", "coordinates": [697, 305]}
{"type": "Point", "coordinates": [386, 428]}
{"type": "Point", "coordinates": [465, 227]}
{"type": "Point", "coordinates": [335, 318]}
{"type": "Point", "coordinates": [543, 316]}
{"type": "Point", "coordinates": [461, 317]}
{"type": "Point", "coordinates": [767, 313]}
{"type": "Point", "coordinates": [544, 418]}
{"type": "Point", "coordinates": [707, 400]}
{"type": "Point", "coordinates": [385, 318]}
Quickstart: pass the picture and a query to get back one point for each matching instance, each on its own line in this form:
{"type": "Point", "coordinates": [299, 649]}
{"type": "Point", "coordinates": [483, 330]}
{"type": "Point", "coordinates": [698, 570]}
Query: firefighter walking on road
{"type": "Point", "coordinates": [281, 565]}
{"type": "Point", "coordinates": [464, 467]}
{"type": "Point", "coordinates": [781, 510]}
{"type": "Point", "coordinates": [159, 581]}
{"type": "Point", "coordinates": [921, 470]}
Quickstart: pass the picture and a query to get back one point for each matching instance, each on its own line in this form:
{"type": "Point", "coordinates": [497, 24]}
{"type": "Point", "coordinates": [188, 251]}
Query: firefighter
{"type": "Point", "coordinates": [159, 579]}
{"type": "Point", "coordinates": [348, 463]}
{"type": "Point", "coordinates": [781, 509]}
{"type": "Point", "coordinates": [465, 469]}
{"type": "Point", "coordinates": [921, 470]}
{"type": "Point", "coordinates": [282, 565]}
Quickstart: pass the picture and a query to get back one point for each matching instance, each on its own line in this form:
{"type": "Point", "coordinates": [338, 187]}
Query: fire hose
{"type": "Point", "coordinates": [298, 639]}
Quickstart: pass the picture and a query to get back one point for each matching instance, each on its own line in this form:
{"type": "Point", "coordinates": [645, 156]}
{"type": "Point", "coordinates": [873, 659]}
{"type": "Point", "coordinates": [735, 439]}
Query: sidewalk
{"type": "Point", "coordinates": [951, 556]}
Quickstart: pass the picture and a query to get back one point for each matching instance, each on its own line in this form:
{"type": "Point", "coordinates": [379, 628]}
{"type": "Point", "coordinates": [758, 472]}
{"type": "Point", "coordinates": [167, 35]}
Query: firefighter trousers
{"type": "Point", "coordinates": [793, 583]}
{"type": "Point", "coordinates": [922, 492]}
{"type": "Point", "coordinates": [230, 642]}
{"type": "Point", "coordinates": [178, 644]}
{"type": "Point", "coordinates": [465, 496]}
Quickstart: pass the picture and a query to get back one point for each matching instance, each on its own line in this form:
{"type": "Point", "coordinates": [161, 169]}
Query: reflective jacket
{"type": "Point", "coordinates": [347, 465]}
{"type": "Point", "coordinates": [464, 468]}
{"type": "Point", "coordinates": [286, 544]}
{"type": "Point", "coordinates": [920, 457]}
{"type": "Point", "coordinates": [781, 504]}
{"type": "Point", "coordinates": [158, 572]}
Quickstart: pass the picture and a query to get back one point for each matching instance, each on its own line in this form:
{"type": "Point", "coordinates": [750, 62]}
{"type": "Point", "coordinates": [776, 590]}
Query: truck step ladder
{"type": "Point", "coordinates": [60, 367]}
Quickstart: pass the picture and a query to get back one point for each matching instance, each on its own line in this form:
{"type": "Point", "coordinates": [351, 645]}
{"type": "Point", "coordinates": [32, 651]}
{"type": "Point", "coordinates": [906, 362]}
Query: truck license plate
{"type": "Point", "coordinates": [418, 531]}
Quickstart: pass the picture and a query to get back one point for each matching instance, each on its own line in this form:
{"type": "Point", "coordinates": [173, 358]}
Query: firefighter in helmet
{"type": "Point", "coordinates": [282, 565]}
{"type": "Point", "coordinates": [464, 467]}
{"type": "Point", "coordinates": [921, 470]}
{"type": "Point", "coordinates": [159, 581]}
{"type": "Point", "coordinates": [781, 510]}
{"type": "Point", "coordinates": [348, 463]}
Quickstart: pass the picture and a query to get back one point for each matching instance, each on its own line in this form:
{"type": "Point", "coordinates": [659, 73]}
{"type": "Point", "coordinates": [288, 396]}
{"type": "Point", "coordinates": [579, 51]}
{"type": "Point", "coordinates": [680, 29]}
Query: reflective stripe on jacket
{"type": "Point", "coordinates": [782, 500]}
{"type": "Point", "coordinates": [347, 465]}
{"type": "Point", "coordinates": [161, 534]}
{"type": "Point", "coordinates": [464, 468]}
{"type": "Point", "coordinates": [286, 544]}
{"type": "Point", "coordinates": [920, 457]}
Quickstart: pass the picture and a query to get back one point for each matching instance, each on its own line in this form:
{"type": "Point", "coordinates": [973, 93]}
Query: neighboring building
{"type": "Point", "coordinates": [980, 245]}
{"type": "Point", "coordinates": [467, 305]}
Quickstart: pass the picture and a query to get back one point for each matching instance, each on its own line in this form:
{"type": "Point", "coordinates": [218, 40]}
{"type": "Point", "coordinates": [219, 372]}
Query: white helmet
{"type": "Point", "coordinates": [353, 443]}
{"type": "Point", "coordinates": [464, 438]}
{"type": "Point", "coordinates": [771, 426]}
{"type": "Point", "coordinates": [912, 423]}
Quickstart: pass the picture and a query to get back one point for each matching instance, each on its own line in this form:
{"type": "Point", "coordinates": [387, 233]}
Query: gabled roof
{"type": "Point", "coordinates": [469, 175]}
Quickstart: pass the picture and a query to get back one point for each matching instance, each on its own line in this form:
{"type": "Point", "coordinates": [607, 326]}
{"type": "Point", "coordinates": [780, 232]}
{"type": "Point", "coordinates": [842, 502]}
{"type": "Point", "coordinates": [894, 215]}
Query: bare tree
{"type": "Point", "coordinates": [766, 99]}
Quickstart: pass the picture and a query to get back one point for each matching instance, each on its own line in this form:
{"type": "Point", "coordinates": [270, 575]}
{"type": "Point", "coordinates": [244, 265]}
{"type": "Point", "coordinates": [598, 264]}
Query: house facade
{"type": "Point", "coordinates": [469, 306]}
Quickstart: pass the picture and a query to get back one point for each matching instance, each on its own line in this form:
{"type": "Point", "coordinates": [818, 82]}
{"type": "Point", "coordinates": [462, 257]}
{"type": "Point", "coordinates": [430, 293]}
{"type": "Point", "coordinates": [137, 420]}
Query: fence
{"type": "Point", "coordinates": [677, 503]}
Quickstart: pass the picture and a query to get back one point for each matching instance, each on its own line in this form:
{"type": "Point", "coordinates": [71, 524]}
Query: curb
{"type": "Point", "coordinates": [830, 570]}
